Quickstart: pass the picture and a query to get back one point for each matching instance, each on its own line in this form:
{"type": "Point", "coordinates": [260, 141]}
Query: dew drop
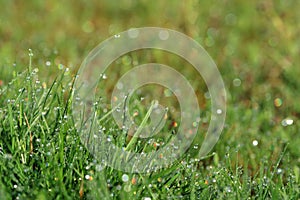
{"type": "Point", "coordinates": [60, 66]}
{"type": "Point", "coordinates": [48, 63]}
{"type": "Point", "coordinates": [125, 177]}
{"type": "Point", "coordinates": [117, 36]}
{"type": "Point", "coordinates": [67, 72]}
{"type": "Point", "coordinates": [30, 53]}
{"type": "Point", "coordinates": [35, 70]}
{"type": "Point", "coordinates": [195, 124]}
{"type": "Point", "coordinates": [277, 102]}
{"type": "Point", "coordinates": [236, 82]}
{"type": "Point", "coordinates": [255, 143]}
{"type": "Point", "coordinates": [207, 95]}
{"type": "Point", "coordinates": [219, 111]}
{"type": "Point", "coordinates": [279, 171]}
{"type": "Point", "coordinates": [119, 187]}
{"type": "Point", "coordinates": [228, 189]}
{"type": "Point", "coordinates": [287, 122]}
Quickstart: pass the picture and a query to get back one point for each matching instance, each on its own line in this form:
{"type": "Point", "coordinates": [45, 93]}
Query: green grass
{"type": "Point", "coordinates": [256, 47]}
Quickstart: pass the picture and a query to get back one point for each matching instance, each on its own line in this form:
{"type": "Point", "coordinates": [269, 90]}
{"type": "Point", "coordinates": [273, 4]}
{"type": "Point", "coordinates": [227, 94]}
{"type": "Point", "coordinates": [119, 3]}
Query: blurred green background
{"type": "Point", "coordinates": [257, 41]}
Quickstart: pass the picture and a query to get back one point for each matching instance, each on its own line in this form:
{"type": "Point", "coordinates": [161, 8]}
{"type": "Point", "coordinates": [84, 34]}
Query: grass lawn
{"type": "Point", "coordinates": [256, 46]}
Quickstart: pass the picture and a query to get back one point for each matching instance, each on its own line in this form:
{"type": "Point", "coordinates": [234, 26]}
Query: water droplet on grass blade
{"type": "Point", "coordinates": [48, 63]}
{"type": "Point", "coordinates": [287, 122]}
{"type": "Point", "coordinates": [125, 177]}
{"type": "Point", "coordinates": [60, 66]}
{"type": "Point", "coordinates": [279, 171]}
{"type": "Point", "coordinates": [219, 111]}
{"type": "Point", "coordinates": [277, 102]}
{"type": "Point", "coordinates": [254, 142]}
{"type": "Point", "coordinates": [119, 187]}
{"type": "Point", "coordinates": [103, 76]}
{"type": "Point", "coordinates": [228, 189]}
{"type": "Point", "coordinates": [30, 52]}
{"type": "Point", "coordinates": [117, 36]}
{"type": "Point", "coordinates": [207, 95]}
{"type": "Point", "coordinates": [236, 82]}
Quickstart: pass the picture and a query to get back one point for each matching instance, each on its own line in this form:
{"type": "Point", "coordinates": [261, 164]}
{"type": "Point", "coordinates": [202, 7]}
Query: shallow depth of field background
{"type": "Point", "coordinates": [255, 44]}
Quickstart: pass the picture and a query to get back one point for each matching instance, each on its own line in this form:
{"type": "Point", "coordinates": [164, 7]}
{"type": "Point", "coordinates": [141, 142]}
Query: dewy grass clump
{"type": "Point", "coordinates": [37, 136]}
{"type": "Point", "coordinates": [42, 157]}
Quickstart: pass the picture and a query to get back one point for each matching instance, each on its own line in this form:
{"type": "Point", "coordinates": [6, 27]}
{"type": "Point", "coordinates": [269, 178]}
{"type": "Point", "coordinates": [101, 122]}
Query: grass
{"type": "Point", "coordinates": [256, 47]}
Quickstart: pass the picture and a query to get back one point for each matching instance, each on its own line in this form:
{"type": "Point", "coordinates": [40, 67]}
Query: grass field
{"type": "Point", "coordinates": [256, 46]}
